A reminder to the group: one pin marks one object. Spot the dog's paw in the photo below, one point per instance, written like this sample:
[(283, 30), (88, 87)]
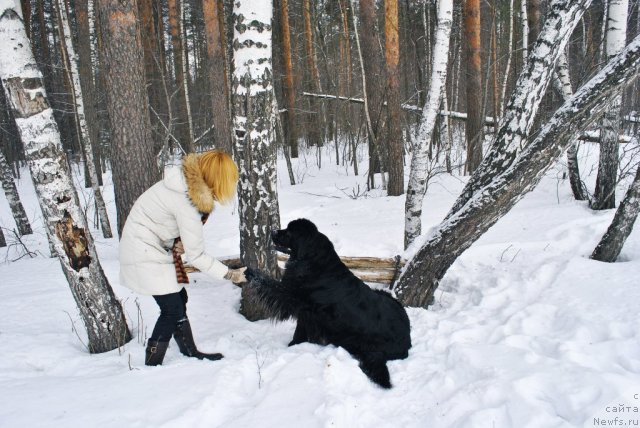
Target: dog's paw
[(253, 275)]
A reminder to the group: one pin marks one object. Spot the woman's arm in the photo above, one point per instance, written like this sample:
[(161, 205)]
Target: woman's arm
[(191, 234)]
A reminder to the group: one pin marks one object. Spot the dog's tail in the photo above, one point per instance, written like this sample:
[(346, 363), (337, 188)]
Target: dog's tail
[(374, 365)]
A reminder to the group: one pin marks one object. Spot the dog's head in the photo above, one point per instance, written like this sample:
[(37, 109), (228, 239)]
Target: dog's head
[(300, 239)]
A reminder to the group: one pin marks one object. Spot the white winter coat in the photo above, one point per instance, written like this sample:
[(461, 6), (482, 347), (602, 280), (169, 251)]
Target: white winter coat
[(168, 209)]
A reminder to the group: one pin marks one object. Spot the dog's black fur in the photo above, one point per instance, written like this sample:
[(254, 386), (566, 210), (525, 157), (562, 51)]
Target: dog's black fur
[(332, 305)]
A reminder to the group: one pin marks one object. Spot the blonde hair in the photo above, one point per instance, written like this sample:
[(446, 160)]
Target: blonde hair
[(220, 173)]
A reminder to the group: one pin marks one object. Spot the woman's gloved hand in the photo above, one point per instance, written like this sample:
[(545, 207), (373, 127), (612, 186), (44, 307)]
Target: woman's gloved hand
[(236, 275)]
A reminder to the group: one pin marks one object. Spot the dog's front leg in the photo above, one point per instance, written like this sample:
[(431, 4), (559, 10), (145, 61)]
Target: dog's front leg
[(300, 335), (281, 299)]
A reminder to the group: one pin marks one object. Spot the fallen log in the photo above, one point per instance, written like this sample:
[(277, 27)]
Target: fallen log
[(368, 269)]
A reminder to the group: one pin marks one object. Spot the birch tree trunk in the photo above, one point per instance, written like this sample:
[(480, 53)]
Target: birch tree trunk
[(395, 147), (218, 76), (525, 32), (82, 121), (64, 220), (611, 244), (417, 185), (561, 19), (11, 192), (509, 54), (443, 246), (85, 23), (132, 153), (474, 128), (562, 81), (605, 193), (254, 115)]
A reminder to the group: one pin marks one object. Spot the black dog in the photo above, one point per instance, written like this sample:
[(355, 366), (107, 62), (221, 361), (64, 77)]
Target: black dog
[(332, 305)]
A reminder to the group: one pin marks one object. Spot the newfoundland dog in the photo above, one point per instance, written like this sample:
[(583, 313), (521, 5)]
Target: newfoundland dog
[(331, 305)]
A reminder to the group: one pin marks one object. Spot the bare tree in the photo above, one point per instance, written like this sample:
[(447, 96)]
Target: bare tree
[(395, 166), (183, 129), (64, 220), (290, 134), (562, 82), (319, 116), (422, 142), (218, 75), (443, 246), (154, 59), (611, 244), (132, 153), (562, 18), (370, 55), (11, 192), (254, 115), (82, 121), (605, 194), (474, 128)]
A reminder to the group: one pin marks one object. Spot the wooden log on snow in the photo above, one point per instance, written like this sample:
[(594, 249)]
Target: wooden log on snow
[(368, 269)]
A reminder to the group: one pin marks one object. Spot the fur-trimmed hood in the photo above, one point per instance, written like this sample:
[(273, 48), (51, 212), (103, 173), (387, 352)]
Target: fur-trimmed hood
[(199, 193)]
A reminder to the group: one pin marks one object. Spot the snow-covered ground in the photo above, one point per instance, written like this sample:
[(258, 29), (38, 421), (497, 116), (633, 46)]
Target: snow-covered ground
[(526, 331)]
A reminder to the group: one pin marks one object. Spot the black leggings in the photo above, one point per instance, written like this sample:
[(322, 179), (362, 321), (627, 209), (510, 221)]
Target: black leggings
[(173, 309)]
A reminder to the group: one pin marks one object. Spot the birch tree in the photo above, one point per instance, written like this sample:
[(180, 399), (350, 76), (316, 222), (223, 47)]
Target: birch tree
[(443, 246), (562, 17), (417, 185), (605, 193), (66, 225), (254, 112), (562, 82), (609, 247), (13, 198), (82, 121)]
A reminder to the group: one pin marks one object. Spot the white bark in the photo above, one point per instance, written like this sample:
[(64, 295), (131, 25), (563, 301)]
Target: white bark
[(507, 69), (11, 192), (604, 195), (63, 218), (82, 121), (417, 185), (525, 32), (609, 247), (185, 73), (254, 132), (562, 82), (513, 135), (423, 271)]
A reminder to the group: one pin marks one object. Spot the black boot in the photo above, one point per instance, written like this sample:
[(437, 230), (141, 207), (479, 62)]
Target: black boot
[(155, 352), (184, 338)]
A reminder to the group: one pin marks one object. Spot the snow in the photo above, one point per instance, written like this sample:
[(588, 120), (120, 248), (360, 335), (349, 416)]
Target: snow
[(526, 330)]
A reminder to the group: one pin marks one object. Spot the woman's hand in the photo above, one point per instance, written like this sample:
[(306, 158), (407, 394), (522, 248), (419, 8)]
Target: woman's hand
[(236, 275)]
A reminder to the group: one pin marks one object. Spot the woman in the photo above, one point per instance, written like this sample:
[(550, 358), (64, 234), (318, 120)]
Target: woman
[(175, 207)]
